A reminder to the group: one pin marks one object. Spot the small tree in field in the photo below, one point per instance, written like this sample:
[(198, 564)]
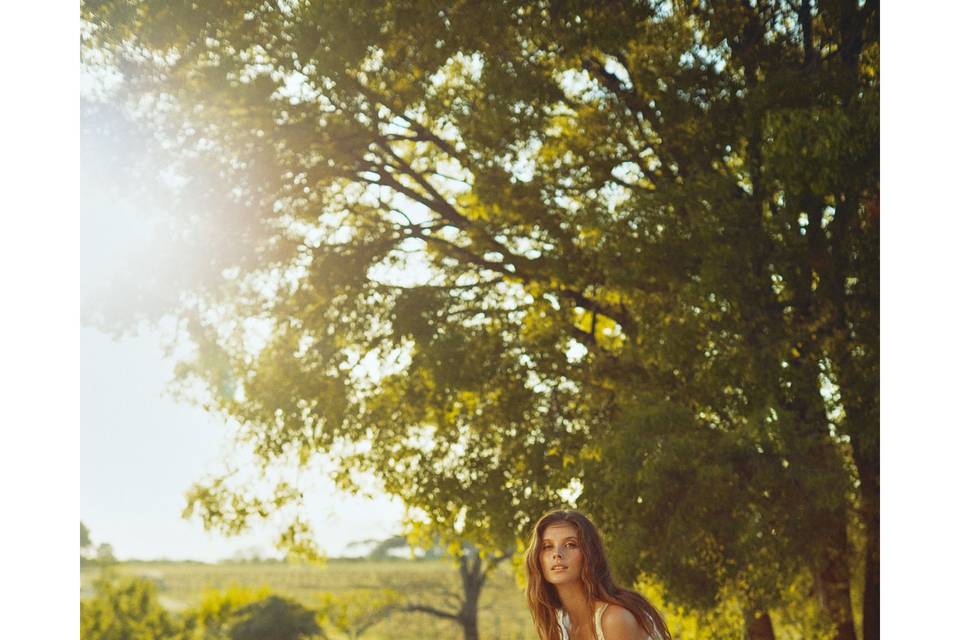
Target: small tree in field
[(474, 568), (105, 553), (351, 614)]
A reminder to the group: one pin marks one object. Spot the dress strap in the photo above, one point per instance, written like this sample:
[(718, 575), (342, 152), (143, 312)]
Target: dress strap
[(598, 629), (563, 621)]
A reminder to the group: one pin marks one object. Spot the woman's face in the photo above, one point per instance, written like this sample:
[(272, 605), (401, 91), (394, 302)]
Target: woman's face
[(560, 555)]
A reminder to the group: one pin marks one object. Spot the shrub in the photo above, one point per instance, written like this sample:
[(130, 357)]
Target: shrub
[(274, 618), (125, 609)]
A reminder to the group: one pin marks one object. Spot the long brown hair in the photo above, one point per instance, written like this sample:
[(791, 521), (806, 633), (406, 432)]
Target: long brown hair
[(543, 599)]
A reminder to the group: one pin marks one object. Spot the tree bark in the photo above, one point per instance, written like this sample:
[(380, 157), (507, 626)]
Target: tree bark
[(830, 514), (473, 576), (833, 585), (871, 586), (758, 625), (871, 583), (469, 622)]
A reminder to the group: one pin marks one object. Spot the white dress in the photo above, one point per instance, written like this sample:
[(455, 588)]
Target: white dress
[(563, 619)]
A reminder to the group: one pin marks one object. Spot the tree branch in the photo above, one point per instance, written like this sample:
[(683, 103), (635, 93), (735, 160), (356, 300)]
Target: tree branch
[(423, 608), (635, 102), (806, 24), (425, 134)]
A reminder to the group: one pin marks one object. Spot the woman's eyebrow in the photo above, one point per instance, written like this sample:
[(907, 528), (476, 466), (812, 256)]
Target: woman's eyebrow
[(574, 538)]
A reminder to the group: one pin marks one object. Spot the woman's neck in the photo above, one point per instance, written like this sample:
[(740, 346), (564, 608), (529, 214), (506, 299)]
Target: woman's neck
[(574, 601)]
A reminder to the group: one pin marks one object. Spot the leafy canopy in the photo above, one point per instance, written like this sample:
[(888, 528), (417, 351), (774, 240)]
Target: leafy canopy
[(506, 255)]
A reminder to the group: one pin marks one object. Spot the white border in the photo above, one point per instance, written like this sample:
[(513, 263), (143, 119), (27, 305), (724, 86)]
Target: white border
[(919, 354), (40, 320)]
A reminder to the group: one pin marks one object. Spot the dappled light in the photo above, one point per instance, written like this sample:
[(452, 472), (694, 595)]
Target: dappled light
[(495, 258)]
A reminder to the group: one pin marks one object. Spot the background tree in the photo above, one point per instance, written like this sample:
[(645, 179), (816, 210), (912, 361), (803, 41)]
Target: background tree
[(86, 543), (508, 254), (382, 549), (101, 553), (463, 606), (351, 614), (105, 553)]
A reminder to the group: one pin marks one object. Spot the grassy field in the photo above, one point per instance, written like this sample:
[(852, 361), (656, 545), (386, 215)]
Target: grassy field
[(363, 583), (503, 613)]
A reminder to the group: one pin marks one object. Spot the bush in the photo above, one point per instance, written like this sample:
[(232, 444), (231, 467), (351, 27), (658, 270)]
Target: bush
[(211, 619), (125, 609), (274, 618)]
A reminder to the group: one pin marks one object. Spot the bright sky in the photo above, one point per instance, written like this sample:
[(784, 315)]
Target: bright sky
[(140, 450)]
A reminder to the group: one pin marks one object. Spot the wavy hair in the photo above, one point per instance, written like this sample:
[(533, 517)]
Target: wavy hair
[(598, 585)]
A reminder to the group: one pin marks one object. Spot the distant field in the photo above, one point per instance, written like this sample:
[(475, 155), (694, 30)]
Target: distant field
[(503, 613)]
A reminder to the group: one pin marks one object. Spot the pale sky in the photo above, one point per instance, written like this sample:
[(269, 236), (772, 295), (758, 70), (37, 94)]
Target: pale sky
[(140, 450)]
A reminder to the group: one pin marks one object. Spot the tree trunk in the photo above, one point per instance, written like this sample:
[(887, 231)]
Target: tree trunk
[(860, 390), (871, 583), (865, 441), (833, 586), (758, 625), (830, 513), (871, 586), (473, 576), (469, 622)]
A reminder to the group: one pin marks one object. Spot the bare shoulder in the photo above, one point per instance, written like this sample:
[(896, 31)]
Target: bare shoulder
[(619, 624)]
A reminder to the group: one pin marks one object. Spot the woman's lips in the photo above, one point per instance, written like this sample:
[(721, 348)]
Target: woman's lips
[(559, 567)]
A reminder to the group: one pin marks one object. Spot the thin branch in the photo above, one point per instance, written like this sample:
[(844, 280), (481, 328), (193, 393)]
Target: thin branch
[(806, 24), (632, 100), (425, 134), (451, 178), (423, 608), (455, 250)]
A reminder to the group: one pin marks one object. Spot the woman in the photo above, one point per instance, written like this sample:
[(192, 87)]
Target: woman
[(570, 591)]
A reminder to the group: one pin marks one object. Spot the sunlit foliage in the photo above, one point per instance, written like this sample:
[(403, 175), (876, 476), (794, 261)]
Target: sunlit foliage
[(125, 609), (506, 255)]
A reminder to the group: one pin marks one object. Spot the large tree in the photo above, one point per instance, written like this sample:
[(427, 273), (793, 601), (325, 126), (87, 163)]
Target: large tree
[(504, 254)]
